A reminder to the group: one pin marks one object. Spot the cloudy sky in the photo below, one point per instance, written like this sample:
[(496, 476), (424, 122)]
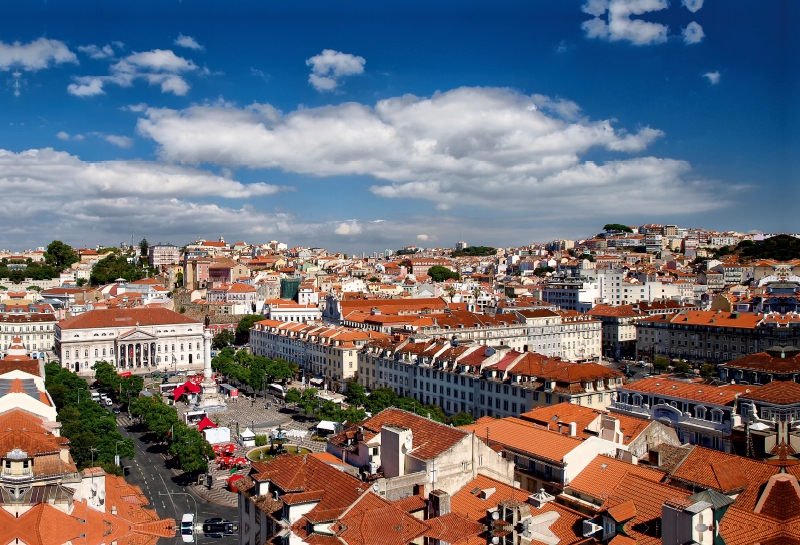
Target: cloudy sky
[(360, 126)]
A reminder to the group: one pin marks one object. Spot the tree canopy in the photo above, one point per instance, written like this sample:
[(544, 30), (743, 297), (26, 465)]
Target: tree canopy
[(84, 422), (115, 266), (222, 339), (617, 227), (186, 444), (475, 251), (60, 255), (440, 274), (243, 328)]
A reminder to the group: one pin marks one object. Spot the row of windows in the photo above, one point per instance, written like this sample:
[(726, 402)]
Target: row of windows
[(27, 328)]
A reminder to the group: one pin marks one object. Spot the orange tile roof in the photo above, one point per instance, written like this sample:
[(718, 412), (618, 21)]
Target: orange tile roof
[(708, 468), (647, 498), (603, 474), (525, 437), (777, 392), (431, 438), (550, 416), (704, 393), (126, 317), (471, 506)]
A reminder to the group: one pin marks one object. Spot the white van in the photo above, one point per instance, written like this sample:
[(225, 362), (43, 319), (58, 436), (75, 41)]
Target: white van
[(95, 396), (187, 528)]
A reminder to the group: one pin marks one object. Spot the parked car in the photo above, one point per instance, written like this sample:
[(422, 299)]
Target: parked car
[(218, 527), (109, 402), (116, 410), (187, 528)]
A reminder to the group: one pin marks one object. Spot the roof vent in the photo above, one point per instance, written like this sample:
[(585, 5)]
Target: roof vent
[(540, 498)]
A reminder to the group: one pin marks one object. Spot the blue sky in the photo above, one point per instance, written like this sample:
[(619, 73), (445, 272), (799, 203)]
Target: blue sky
[(360, 126)]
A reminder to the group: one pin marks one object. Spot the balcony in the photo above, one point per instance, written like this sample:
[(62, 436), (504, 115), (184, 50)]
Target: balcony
[(16, 474)]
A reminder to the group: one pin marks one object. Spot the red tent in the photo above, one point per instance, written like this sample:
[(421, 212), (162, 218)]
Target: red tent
[(186, 388), (205, 423)]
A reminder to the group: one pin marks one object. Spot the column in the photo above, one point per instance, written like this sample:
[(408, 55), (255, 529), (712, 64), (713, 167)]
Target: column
[(207, 355)]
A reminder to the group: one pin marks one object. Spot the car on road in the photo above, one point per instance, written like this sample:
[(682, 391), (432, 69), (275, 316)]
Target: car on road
[(218, 527), (109, 402), (116, 410), (187, 528)]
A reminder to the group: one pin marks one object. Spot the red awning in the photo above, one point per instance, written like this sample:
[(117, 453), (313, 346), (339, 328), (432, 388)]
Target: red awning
[(205, 423), (191, 387), (125, 374)]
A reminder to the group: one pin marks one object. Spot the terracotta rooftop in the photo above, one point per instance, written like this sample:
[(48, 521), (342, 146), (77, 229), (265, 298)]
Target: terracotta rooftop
[(772, 361), (704, 393), (603, 474), (523, 436), (430, 438), (777, 392), (726, 473), (468, 503), (126, 317)]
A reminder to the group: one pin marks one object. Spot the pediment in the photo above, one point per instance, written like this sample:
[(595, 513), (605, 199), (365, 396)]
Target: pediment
[(137, 335)]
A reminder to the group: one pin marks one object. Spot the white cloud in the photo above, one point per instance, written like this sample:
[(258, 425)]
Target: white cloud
[(104, 199), (620, 26), (135, 107), (120, 141), (713, 77), (36, 55), (350, 227), (188, 42), (86, 87), (422, 237), (63, 135), (96, 52), (158, 67), (330, 65), (693, 34), (692, 5), (462, 147)]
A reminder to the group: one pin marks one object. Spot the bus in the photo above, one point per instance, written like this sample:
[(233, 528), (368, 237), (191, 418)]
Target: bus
[(277, 390)]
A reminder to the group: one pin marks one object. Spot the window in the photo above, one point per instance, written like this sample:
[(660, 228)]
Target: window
[(548, 398)]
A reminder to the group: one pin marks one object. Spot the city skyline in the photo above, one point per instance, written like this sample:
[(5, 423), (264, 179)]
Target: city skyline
[(364, 127)]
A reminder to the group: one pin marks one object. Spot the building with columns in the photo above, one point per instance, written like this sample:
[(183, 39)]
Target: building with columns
[(137, 340)]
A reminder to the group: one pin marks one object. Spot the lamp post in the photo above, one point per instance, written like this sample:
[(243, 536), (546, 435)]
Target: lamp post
[(195, 506), (116, 452)]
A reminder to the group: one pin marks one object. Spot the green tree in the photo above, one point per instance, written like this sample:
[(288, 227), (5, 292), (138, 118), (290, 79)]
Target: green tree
[(144, 246), (707, 370), (379, 399), (461, 419), (309, 401), (222, 339), (243, 329), (80, 282), (60, 255), (293, 396), (682, 367), (440, 274), (179, 280), (541, 271), (355, 394), (661, 363), (617, 227)]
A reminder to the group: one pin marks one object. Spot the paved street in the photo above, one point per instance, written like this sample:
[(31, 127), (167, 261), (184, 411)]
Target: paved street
[(149, 471)]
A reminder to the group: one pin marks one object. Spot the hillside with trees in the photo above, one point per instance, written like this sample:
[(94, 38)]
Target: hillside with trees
[(475, 251)]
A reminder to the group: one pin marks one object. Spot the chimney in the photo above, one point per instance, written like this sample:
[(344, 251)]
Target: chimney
[(573, 429), (438, 503), (540, 498)]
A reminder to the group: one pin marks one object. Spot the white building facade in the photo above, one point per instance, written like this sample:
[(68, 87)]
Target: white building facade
[(136, 340)]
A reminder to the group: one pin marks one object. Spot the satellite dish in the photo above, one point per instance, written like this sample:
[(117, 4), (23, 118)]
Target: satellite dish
[(409, 441), (495, 540), (495, 515), (701, 528)]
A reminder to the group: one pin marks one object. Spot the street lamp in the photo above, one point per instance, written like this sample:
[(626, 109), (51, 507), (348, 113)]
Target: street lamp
[(195, 506), (116, 452)]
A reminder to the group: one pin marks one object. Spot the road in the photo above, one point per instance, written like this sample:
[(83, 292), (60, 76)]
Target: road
[(149, 472)]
